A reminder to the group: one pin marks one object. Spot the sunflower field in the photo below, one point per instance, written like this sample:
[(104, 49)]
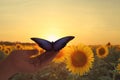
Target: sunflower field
[(73, 62)]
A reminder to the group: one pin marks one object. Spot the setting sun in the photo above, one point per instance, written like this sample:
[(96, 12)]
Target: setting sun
[(52, 38)]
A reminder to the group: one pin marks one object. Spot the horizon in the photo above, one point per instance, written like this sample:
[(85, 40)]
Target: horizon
[(54, 41)]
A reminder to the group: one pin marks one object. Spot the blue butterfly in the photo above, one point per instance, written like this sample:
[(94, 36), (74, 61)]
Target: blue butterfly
[(53, 46)]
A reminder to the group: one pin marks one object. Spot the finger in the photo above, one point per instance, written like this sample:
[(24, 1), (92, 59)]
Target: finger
[(24, 53), (30, 53), (35, 55)]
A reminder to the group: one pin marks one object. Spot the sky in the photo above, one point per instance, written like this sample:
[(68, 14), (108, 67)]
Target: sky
[(90, 21)]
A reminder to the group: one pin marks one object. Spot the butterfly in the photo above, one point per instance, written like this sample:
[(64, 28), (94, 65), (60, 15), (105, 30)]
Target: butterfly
[(53, 46)]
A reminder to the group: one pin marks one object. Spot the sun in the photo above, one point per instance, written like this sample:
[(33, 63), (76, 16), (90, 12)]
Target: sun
[(52, 38)]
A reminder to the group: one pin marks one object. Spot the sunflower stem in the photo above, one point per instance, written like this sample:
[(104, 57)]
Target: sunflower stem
[(113, 75), (108, 64)]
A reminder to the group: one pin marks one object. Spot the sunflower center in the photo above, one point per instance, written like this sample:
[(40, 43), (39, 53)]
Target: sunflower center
[(79, 59), (101, 51), (6, 51), (18, 47)]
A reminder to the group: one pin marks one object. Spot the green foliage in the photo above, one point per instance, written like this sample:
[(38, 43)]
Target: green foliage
[(105, 78)]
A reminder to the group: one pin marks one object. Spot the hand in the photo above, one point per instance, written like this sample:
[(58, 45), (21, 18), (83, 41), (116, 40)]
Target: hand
[(20, 61), (17, 61)]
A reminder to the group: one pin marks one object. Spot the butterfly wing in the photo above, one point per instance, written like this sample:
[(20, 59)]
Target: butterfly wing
[(43, 43), (59, 44)]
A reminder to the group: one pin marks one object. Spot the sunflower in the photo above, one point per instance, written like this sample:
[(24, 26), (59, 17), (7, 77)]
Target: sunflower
[(118, 68), (1, 47), (80, 59), (108, 44), (102, 51), (6, 51), (9, 48), (61, 55), (18, 47)]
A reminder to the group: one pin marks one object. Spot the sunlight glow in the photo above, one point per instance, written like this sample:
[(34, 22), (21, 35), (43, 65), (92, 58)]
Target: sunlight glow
[(52, 38)]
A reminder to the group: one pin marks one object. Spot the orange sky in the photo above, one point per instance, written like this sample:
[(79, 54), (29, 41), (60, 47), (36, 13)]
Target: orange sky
[(91, 22)]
